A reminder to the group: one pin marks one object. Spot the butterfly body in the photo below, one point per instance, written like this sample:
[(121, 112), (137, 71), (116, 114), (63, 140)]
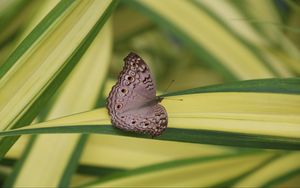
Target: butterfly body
[(132, 102)]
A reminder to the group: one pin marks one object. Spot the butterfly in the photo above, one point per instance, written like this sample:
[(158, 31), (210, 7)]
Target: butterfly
[(132, 102)]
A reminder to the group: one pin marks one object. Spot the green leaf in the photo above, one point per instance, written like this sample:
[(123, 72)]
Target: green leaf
[(273, 173), (245, 119), (275, 85), (49, 79), (92, 67), (36, 33), (172, 134), (206, 37), (186, 171)]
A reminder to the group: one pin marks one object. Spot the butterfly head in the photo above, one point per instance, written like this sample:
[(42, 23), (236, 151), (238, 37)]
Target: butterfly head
[(158, 99)]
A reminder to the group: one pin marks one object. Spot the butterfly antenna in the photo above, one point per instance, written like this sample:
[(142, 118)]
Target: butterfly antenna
[(174, 99), (170, 84)]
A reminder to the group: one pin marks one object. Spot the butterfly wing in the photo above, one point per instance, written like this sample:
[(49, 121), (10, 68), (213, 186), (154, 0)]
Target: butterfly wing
[(132, 102)]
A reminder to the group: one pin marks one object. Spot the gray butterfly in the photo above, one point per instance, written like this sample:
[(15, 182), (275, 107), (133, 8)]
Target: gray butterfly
[(132, 102)]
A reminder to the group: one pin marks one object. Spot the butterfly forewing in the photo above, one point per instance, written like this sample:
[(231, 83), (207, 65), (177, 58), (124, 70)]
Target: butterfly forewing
[(132, 102)]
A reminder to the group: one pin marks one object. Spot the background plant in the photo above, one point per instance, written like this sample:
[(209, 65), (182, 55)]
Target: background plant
[(59, 60)]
